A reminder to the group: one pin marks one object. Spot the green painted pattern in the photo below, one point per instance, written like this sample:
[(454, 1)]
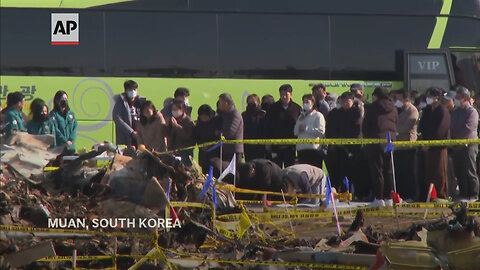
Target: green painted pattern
[(57, 3), (440, 26), (91, 98)]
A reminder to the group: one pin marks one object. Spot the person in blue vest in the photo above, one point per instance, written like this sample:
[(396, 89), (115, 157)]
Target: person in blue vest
[(41, 123), (65, 121), (13, 114)]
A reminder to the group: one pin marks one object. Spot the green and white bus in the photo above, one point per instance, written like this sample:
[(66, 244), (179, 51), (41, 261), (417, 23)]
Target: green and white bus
[(235, 46)]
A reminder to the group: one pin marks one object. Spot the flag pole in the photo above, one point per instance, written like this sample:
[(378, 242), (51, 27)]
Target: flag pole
[(394, 181), (221, 150)]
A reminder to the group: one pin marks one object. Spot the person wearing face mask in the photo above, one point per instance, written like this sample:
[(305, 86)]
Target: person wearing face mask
[(252, 127), (41, 123), (434, 125), (279, 123), (464, 125), (126, 113), (151, 128), (204, 131), (310, 125), (380, 119), (65, 121), (405, 158), (179, 131), (13, 113), (345, 160)]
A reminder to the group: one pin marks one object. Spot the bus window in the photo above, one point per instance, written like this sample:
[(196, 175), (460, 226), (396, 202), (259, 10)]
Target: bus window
[(466, 67)]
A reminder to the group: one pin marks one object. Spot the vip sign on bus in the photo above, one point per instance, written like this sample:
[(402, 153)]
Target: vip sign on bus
[(65, 29)]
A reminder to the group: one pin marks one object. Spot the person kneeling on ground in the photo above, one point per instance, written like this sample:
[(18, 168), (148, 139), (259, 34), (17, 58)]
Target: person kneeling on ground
[(305, 179)]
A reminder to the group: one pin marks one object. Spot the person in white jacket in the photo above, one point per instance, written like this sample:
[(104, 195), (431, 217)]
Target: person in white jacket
[(310, 125)]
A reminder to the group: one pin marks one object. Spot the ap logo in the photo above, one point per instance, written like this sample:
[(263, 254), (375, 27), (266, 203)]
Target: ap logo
[(65, 29)]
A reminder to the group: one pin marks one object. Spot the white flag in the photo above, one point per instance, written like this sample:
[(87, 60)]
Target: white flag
[(230, 169)]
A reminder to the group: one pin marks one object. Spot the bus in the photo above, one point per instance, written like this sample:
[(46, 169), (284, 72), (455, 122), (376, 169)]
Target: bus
[(236, 46)]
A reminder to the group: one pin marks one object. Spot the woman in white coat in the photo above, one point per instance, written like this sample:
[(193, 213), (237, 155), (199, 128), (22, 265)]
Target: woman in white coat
[(310, 125)]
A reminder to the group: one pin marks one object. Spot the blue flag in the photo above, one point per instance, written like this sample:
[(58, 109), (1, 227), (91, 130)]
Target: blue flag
[(214, 194), (214, 147), (208, 182), (168, 190), (389, 147), (328, 192), (345, 182)]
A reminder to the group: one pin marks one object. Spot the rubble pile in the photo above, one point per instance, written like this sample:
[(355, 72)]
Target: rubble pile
[(143, 184)]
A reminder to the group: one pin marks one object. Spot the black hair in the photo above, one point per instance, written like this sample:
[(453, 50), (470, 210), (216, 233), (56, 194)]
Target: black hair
[(36, 109), (380, 92), (286, 87), (319, 86), (312, 98), (434, 92), (14, 97), (129, 85), (181, 92), (205, 109), (348, 95), (57, 99), (147, 104)]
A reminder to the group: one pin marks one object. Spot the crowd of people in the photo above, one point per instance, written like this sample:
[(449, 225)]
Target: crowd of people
[(405, 115)]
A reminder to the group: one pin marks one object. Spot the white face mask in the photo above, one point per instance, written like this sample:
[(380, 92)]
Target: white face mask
[(429, 100), (307, 107), (422, 105), (177, 113), (398, 104), (457, 103), (131, 94), (338, 106), (186, 102)]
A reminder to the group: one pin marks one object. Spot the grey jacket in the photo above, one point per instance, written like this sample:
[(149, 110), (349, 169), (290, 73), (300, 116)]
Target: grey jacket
[(464, 123), (124, 124), (232, 129)]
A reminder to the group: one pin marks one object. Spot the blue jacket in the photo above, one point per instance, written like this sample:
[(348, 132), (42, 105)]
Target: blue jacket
[(65, 128)]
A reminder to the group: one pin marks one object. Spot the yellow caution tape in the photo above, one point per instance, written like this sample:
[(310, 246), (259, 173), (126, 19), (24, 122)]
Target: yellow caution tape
[(191, 204), (341, 196), (50, 230), (336, 141)]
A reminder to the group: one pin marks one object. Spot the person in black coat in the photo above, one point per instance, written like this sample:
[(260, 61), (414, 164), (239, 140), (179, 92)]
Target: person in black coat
[(252, 120), (435, 125), (280, 122), (204, 131), (259, 174), (345, 160), (380, 119)]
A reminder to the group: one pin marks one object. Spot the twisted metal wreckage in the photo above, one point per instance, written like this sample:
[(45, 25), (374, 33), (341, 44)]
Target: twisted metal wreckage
[(227, 234)]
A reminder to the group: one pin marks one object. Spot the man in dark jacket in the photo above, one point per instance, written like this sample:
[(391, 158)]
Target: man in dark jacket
[(252, 127), (380, 119), (344, 160), (464, 125), (126, 112), (280, 122), (259, 174), (232, 127), (435, 125)]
